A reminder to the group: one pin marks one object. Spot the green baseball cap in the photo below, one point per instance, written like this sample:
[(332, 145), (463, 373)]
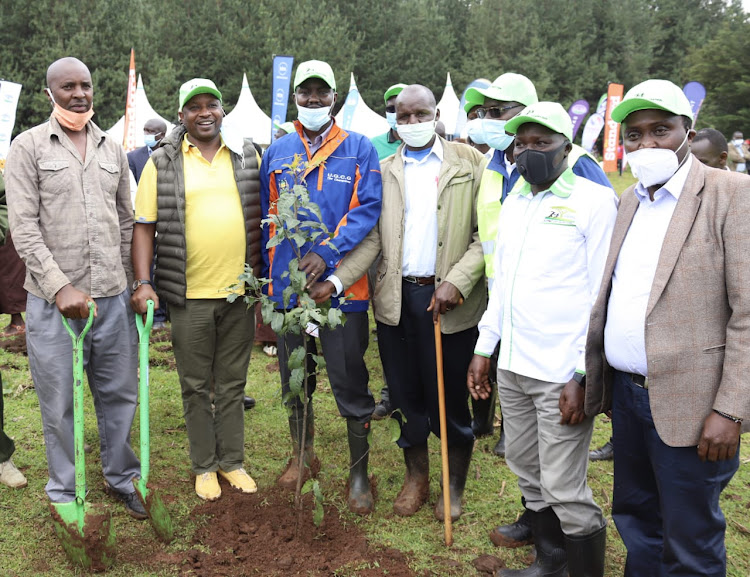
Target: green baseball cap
[(197, 86), (653, 94), (314, 69), (394, 90), (287, 127), (508, 87), (472, 97), (549, 114)]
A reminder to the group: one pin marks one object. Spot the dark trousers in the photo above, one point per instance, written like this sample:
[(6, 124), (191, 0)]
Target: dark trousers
[(666, 501), (343, 350), (6, 443), (407, 352)]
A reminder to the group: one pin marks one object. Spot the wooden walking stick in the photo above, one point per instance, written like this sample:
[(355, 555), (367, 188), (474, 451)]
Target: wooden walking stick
[(443, 435)]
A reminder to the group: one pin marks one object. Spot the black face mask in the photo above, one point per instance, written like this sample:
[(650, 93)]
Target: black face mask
[(538, 167)]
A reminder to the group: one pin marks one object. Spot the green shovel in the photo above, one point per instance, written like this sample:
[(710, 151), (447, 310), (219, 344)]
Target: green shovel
[(84, 530), (157, 511)]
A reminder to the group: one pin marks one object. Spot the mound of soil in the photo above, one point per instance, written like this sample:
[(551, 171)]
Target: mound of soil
[(263, 534)]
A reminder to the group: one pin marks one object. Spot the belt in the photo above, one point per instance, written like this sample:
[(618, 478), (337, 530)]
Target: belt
[(639, 380), (420, 280)]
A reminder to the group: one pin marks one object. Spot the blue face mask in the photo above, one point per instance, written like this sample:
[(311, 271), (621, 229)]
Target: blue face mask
[(391, 118), (494, 134), (313, 118), (475, 131), (150, 140)]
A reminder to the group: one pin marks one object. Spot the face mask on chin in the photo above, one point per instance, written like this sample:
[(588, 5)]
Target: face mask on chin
[(417, 135), (313, 118), (652, 166), (75, 121), (539, 167)]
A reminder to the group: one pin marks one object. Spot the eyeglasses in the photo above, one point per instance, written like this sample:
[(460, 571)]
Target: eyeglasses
[(390, 109), (496, 111)]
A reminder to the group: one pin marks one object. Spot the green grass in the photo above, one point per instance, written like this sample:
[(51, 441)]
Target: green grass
[(28, 546)]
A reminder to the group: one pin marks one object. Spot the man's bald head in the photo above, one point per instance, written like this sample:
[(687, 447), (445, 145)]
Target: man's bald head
[(64, 66), (417, 92), (155, 126)]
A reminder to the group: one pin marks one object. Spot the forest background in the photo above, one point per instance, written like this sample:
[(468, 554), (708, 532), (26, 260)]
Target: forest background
[(570, 50)]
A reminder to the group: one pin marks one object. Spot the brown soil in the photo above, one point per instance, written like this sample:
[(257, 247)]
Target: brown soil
[(15, 344), (95, 549), (257, 535)]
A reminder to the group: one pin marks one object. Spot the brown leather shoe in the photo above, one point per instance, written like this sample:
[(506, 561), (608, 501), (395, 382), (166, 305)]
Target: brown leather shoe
[(416, 489)]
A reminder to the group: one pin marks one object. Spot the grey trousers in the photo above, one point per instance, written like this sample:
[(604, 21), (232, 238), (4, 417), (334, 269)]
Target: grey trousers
[(212, 341), (549, 459), (110, 358)]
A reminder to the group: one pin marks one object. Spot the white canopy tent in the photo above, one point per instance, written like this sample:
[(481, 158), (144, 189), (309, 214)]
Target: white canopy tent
[(449, 107), (356, 116), (247, 118), (143, 113)]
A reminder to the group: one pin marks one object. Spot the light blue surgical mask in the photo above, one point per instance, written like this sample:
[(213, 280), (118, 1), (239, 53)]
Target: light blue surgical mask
[(391, 118), (475, 131), (494, 134), (150, 140), (313, 118)]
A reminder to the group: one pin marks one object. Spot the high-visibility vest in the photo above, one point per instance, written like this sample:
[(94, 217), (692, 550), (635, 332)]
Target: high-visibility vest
[(488, 210)]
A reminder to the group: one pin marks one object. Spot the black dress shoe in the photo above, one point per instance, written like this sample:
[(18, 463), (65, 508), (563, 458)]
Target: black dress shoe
[(249, 403), (382, 410), (132, 502), (604, 453)]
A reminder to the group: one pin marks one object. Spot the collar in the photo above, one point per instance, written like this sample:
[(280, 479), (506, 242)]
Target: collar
[(673, 186), (187, 145), (562, 187), (437, 150), (322, 136), (91, 128)]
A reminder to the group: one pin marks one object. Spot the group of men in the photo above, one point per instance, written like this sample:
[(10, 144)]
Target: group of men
[(637, 309)]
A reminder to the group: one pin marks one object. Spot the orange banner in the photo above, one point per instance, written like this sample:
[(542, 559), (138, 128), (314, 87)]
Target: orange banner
[(611, 128), (128, 134)]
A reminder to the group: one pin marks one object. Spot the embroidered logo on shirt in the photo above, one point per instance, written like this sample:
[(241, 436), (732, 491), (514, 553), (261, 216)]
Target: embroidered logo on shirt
[(561, 215), (339, 177)]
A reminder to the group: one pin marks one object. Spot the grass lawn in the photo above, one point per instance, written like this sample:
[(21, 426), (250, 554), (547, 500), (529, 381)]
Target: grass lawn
[(28, 546)]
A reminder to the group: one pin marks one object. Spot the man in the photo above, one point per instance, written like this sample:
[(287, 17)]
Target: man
[(71, 218), (342, 175), (9, 473), (387, 143), (668, 342), (739, 153), (200, 192), (710, 147), (153, 132), (553, 236), (432, 262)]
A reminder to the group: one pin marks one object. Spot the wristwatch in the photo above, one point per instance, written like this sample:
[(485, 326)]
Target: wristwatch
[(139, 282), (580, 379)]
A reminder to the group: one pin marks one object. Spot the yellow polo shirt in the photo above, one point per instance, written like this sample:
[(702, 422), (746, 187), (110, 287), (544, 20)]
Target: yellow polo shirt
[(214, 224)]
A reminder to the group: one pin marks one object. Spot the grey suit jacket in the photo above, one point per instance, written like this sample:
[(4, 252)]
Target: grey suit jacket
[(697, 326)]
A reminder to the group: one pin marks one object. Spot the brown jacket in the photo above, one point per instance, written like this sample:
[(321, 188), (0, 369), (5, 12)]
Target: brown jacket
[(698, 316)]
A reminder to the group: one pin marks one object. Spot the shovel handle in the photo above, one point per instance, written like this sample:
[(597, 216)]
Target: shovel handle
[(443, 434), (80, 458), (144, 332)]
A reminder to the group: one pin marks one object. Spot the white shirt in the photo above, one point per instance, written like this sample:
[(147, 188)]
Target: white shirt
[(625, 331), (550, 253), (420, 212)]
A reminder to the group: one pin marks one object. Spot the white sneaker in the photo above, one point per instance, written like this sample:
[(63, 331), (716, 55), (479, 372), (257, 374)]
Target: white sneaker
[(11, 476)]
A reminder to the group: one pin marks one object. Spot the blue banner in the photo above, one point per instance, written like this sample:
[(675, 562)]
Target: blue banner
[(352, 99), (696, 94), (282, 79)]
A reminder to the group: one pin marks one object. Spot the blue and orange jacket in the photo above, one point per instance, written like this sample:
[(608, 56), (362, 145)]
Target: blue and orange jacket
[(345, 183)]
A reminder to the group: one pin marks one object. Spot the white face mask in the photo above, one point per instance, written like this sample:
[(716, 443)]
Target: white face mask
[(653, 166), (391, 118), (416, 135), (313, 118), (737, 142), (475, 131)]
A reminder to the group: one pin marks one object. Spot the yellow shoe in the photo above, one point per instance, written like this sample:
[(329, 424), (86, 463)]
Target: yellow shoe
[(239, 479), (207, 486)]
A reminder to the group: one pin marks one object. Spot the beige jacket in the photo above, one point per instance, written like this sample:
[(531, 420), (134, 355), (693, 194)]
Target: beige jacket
[(460, 260), (698, 316)]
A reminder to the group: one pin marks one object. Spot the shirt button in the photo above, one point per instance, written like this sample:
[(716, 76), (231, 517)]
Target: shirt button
[(440, 244)]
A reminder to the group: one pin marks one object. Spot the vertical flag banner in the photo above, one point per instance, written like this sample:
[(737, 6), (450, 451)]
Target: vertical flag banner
[(9, 93), (611, 128), (577, 112), (601, 107), (282, 79), (591, 131), (696, 94), (128, 135), (352, 99)]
